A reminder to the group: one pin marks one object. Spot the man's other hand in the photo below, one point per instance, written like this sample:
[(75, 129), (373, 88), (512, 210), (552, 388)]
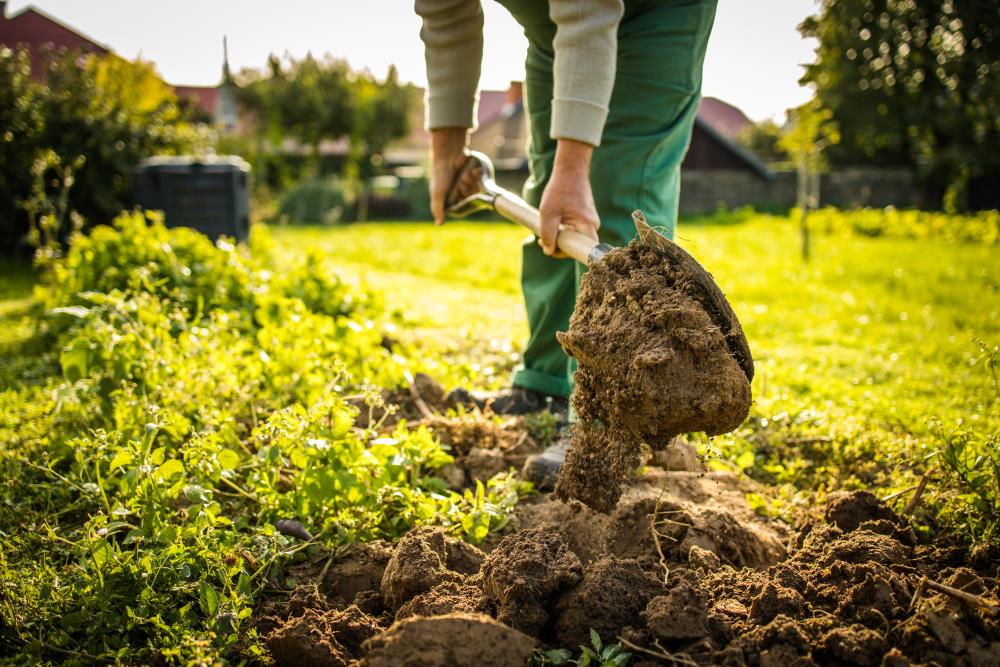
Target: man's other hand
[(568, 201), (447, 158)]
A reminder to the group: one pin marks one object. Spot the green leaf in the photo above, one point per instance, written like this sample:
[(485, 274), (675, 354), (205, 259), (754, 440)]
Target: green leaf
[(228, 459), (595, 639), (208, 599), (76, 360), (122, 458), (170, 470)]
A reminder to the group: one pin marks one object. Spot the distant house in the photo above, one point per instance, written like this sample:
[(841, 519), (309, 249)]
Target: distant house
[(502, 134), (40, 33)]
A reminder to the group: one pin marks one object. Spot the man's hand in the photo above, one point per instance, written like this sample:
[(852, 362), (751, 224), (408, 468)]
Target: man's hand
[(447, 158), (568, 201)]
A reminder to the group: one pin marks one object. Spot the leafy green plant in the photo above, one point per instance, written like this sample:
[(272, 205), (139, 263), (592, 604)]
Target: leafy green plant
[(318, 201), (982, 227), (972, 463), (193, 396), (597, 654)]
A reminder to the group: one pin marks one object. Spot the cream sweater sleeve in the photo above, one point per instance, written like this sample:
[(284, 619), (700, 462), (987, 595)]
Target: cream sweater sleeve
[(452, 33), (586, 52)]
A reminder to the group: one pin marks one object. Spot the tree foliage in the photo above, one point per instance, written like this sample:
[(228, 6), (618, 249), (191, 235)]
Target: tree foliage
[(107, 110), (322, 99), (912, 83)]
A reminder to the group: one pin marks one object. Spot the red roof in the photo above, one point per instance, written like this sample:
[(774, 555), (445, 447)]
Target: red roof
[(206, 97), (38, 31), (724, 118), (490, 104)]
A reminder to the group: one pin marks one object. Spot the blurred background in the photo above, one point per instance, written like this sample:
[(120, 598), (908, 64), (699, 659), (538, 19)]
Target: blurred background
[(858, 104)]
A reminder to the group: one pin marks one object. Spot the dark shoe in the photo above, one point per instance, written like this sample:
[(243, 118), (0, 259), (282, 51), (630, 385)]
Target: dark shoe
[(543, 469), (513, 401)]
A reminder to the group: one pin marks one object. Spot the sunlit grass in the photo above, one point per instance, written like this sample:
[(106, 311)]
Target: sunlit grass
[(856, 350)]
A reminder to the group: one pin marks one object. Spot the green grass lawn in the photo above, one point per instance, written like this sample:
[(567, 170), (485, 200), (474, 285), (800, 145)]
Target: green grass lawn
[(857, 351)]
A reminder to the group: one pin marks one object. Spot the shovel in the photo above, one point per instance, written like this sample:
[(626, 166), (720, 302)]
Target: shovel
[(491, 197)]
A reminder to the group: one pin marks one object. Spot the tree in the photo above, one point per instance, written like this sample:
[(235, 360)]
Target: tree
[(811, 131), (912, 83), (762, 139), (312, 100), (107, 110), (20, 125), (308, 100)]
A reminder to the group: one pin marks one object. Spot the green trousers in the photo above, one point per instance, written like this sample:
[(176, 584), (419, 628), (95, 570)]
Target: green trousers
[(661, 48)]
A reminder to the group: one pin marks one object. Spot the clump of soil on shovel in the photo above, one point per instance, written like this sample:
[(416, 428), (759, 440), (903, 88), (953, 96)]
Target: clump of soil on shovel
[(660, 353)]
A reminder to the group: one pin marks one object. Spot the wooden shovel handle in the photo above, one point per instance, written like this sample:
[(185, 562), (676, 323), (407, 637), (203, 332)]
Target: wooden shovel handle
[(573, 243)]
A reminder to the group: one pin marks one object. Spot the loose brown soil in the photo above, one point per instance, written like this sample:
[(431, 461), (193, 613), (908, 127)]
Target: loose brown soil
[(660, 353), (713, 585)]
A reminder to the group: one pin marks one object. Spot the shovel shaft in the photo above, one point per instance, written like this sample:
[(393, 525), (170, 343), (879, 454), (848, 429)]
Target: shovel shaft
[(491, 196), (573, 243)]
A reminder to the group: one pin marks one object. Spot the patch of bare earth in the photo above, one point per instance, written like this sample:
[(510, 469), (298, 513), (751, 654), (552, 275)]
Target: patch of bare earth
[(684, 575)]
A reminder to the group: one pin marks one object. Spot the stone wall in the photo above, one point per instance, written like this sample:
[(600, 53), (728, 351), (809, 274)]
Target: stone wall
[(706, 191)]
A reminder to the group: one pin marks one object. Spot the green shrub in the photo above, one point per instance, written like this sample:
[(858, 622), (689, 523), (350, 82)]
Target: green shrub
[(318, 201), (111, 111), (982, 227), (414, 192), (201, 396), (138, 254)]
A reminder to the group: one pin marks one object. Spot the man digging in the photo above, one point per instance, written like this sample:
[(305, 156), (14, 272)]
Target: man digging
[(612, 89)]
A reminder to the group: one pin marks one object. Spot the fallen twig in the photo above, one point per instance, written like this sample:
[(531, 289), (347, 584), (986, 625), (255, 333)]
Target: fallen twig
[(662, 653), (968, 598), (417, 399), (656, 535), (897, 494), (921, 587), (912, 505)]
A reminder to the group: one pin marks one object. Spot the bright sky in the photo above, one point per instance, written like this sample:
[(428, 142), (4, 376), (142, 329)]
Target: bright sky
[(754, 56)]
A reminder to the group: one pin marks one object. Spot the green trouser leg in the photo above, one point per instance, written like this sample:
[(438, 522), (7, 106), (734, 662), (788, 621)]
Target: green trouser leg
[(661, 49)]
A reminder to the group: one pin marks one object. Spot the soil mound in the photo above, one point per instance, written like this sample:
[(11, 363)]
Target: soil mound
[(424, 558), (705, 512), (523, 574), (447, 641), (322, 638), (660, 353), (842, 596), (611, 597)]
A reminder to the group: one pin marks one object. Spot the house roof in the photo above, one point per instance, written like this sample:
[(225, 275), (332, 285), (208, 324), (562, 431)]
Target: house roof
[(36, 27), (723, 117), (731, 145), (206, 97)]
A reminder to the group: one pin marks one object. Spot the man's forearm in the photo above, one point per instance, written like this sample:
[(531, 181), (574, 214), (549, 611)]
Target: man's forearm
[(573, 158), (452, 33), (586, 47)]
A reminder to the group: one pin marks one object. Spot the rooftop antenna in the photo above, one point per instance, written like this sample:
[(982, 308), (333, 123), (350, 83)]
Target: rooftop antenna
[(226, 76)]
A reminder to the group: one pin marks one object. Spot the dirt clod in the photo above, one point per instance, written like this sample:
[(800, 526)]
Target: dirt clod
[(656, 358), (680, 614), (610, 597), (424, 558), (524, 572), (447, 641), (356, 575), (322, 638), (448, 597)]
